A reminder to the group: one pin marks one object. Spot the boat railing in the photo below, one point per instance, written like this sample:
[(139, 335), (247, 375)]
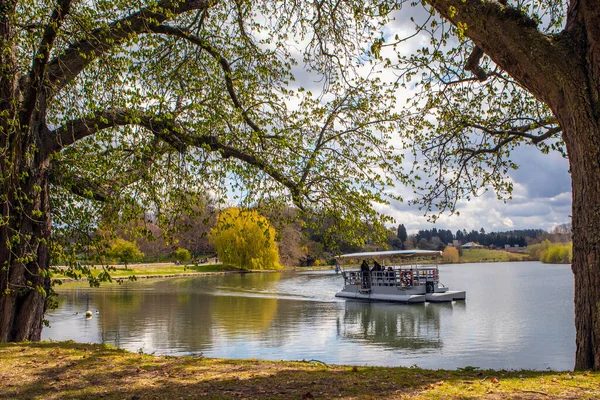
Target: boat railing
[(402, 277)]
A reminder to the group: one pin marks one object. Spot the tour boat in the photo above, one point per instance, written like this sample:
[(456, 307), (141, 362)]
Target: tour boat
[(402, 280)]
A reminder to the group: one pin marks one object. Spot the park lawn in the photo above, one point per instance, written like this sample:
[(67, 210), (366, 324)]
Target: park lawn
[(159, 270), (486, 255), (53, 370)]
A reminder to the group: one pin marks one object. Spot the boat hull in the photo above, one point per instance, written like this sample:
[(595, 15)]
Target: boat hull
[(399, 298), (439, 297), (458, 294), (393, 294)]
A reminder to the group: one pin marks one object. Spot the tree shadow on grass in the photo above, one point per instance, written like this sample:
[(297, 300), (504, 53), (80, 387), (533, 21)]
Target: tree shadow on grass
[(72, 370)]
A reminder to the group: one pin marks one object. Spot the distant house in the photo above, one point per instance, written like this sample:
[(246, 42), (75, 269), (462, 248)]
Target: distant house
[(515, 249), (472, 245)]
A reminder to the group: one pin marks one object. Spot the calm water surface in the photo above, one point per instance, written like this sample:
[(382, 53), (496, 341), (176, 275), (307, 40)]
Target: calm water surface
[(517, 315)]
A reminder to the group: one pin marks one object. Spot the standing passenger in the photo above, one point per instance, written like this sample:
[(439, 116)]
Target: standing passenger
[(366, 275)]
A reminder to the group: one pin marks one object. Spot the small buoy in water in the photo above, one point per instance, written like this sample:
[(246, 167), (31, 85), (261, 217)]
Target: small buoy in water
[(88, 314)]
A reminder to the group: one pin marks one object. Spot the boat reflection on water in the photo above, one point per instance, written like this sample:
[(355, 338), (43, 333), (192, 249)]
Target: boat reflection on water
[(414, 327)]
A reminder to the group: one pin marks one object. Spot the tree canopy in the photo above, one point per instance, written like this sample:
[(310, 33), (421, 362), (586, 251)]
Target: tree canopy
[(494, 75), (112, 109), (245, 239), (108, 109), (125, 251), (174, 97)]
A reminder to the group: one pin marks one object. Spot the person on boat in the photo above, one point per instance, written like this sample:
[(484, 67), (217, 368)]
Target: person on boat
[(376, 266), (366, 275), (390, 275), (364, 267)]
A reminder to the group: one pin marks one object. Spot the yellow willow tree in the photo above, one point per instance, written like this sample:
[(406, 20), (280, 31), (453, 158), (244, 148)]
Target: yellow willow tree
[(115, 110), (245, 239)]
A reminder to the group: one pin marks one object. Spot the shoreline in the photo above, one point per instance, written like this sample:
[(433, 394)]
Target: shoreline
[(53, 370), (140, 271), (184, 274), (187, 271)]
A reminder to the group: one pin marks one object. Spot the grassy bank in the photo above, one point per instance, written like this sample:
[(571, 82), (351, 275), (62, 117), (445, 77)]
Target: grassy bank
[(486, 255), (70, 370), (158, 270)]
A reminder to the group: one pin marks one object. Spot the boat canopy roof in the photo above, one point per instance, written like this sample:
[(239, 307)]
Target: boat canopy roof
[(393, 253)]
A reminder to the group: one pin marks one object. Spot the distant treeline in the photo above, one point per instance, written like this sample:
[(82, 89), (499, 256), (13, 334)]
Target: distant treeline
[(301, 242), (428, 238), (498, 239)]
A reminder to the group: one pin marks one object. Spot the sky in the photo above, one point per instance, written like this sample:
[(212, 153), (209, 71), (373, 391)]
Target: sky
[(542, 188), (541, 200)]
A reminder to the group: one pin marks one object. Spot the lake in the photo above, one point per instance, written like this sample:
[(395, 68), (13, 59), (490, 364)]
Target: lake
[(517, 315)]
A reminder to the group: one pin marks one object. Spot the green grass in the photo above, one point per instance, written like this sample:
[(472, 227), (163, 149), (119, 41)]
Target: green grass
[(486, 255), (51, 370), (159, 270)]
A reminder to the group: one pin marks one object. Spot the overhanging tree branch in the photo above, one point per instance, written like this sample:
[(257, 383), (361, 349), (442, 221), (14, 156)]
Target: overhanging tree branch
[(168, 131), (105, 191), (511, 39), (65, 67), (40, 60), (521, 131), (79, 186), (223, 62)]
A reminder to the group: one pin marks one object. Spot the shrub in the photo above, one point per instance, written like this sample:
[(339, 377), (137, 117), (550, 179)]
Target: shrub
[(182, 254), (536, 251), (450, 255), (557, 254), (125, 251)]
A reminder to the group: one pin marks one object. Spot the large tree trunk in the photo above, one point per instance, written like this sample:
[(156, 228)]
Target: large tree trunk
[(24, 250), (564, 72), (586, 251), (579, 115), (582, 135), (24, 216)]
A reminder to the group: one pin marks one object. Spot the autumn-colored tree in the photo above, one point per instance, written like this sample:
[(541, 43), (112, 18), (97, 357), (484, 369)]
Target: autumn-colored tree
[(450, 255), (245, 239)]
